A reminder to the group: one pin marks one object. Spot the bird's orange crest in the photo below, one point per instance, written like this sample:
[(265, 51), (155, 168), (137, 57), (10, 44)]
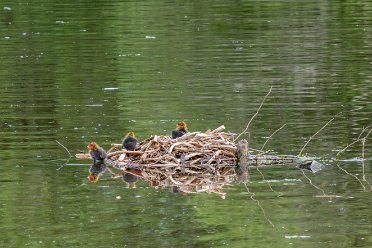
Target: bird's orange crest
[(130, 134), (92, 146), (181, 124)]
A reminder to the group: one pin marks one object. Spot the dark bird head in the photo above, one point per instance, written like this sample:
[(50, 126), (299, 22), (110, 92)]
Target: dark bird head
[(92, 146), (181, 125)]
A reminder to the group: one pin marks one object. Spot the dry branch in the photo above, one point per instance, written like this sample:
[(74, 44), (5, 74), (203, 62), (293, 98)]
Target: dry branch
[(258, 110)]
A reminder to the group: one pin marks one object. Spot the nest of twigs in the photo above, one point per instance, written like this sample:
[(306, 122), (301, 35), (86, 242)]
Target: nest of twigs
[(195, 162)]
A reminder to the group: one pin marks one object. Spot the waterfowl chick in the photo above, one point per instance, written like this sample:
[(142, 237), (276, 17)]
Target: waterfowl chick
[(96, 152), (180, 130), (130, 141)]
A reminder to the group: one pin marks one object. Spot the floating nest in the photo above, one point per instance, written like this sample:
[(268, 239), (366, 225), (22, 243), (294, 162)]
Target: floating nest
[(195, 162)]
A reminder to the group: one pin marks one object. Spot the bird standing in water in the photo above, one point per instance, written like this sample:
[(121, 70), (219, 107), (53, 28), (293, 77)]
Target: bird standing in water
[(180, 130), (129, 142), (98, 167)]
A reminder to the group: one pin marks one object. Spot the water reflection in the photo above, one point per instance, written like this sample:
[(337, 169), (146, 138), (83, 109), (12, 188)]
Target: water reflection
[(81, 71)]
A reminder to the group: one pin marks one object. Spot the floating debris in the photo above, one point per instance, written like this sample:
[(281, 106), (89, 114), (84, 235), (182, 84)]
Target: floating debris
[(110, 88), (297, 237)]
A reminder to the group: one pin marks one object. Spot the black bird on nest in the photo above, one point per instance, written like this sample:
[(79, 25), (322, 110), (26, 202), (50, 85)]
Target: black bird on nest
[(180, 130), (129, 143)]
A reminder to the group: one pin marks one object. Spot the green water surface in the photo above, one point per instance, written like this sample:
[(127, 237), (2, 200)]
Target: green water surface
[(81, 71)]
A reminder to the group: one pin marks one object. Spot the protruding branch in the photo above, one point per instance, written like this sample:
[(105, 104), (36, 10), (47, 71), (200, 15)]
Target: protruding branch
[(258, 110)]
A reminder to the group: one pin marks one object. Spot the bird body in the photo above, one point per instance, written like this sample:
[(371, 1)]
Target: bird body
[(180, 130), (129, 142), (96, 152)]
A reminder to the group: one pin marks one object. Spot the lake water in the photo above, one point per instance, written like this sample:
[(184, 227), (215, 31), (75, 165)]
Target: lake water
[(78, 71)]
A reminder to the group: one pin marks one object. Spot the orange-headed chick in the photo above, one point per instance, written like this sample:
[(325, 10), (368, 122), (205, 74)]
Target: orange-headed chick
[(96, 152), (180, 130)]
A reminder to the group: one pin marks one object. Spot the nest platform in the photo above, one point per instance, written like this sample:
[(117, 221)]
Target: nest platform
[(195, 162)]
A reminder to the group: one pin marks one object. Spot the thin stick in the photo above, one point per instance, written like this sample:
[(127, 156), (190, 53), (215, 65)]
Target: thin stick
[(83, 156), (363, 169), (77, 164), (111, 154), (111, 148), (68, 159), (112, 173), (317, 133), (59, 143), (363, 140), (344, 149), (355, 141), (364, 129), (218, 129), (267, 140), (245, 130), (258, 203)]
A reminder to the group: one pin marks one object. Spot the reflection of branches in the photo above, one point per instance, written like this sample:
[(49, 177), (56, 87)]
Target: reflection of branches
[(363, 165), (363, 140), (258, 204), (268, 183), (311, 183), (59, 143), (246, 128), (338, 165)]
